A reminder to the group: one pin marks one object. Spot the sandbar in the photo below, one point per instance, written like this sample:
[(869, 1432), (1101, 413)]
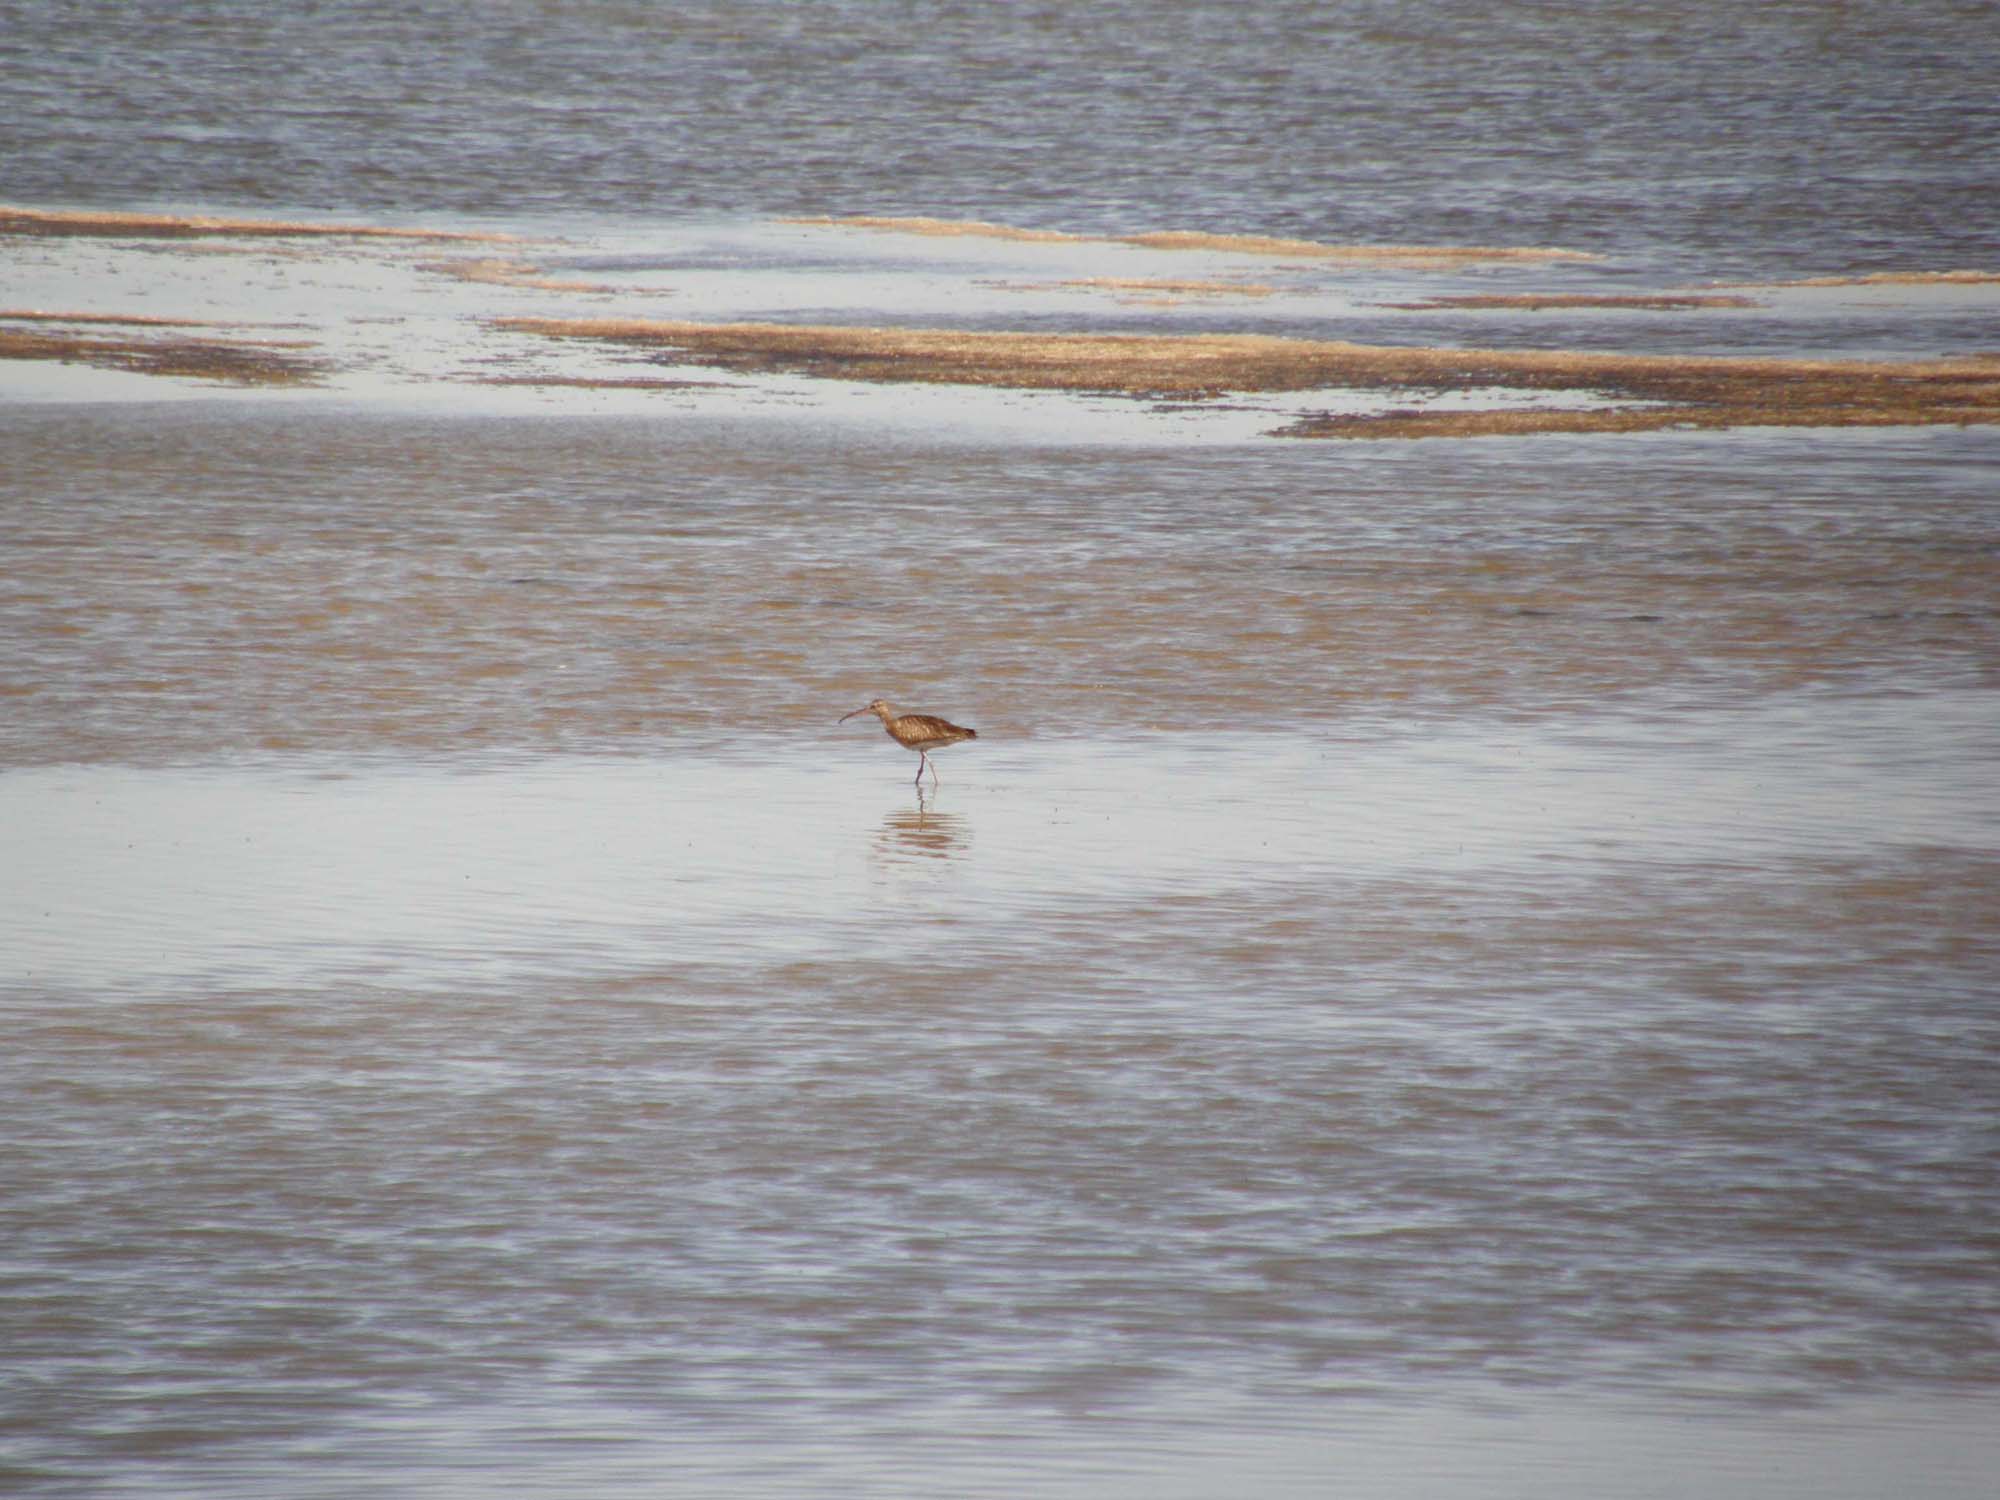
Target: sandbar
[(1662, 390), (256, 362), (1406, 256), (16, 220)]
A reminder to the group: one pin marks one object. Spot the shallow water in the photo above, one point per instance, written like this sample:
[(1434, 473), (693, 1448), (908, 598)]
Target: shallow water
[(1750, 140), (1451, 969), (1420, 957)]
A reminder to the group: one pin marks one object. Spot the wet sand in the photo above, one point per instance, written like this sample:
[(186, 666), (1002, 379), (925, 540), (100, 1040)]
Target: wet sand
[(1371, 389), (1540, 301), (229, 362), (60, 223), (1701, 392), (1419, 256), (1896, 278), (375, 318), (518, 273)]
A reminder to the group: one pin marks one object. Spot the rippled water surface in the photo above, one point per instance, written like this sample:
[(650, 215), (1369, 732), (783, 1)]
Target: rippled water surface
[(1451, 968), (1425, 942), (1748, 137)]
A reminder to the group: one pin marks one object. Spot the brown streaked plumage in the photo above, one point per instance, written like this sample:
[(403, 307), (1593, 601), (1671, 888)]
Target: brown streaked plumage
[(922, 733)]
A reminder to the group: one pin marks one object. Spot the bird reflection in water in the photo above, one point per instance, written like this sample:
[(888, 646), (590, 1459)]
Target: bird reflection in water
[(923, 833)]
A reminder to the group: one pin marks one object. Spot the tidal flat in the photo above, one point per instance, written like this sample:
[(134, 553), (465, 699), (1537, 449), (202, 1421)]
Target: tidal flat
[(1458, 965), (1244, 334)]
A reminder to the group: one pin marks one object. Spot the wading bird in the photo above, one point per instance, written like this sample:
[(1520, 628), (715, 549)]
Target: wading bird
[(919, 732)]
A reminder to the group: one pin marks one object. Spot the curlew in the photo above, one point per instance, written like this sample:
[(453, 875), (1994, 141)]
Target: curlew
[(922, 733)]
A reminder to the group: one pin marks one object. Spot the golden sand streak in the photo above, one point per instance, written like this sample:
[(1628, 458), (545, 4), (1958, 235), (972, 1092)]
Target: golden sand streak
[(1517, 423), (600, 383), (510, 273), (1704, 390), (1890, 278), (45, 222), (975, 227), (260, 363), (134, 320), (1141, 291), (1406, 256), (1535, 302), (1171, 288), (1398, 255)]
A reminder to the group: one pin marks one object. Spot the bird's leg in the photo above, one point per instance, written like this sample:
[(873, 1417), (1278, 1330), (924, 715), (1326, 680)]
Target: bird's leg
[(921, 760)]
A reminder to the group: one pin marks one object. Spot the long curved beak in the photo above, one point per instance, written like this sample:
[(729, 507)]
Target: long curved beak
[(845, 717)]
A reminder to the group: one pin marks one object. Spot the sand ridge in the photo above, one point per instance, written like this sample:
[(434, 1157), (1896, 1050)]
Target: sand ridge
[(233, 362), (1407, 256), (1572, 301), (1667, 390), (16, 220)]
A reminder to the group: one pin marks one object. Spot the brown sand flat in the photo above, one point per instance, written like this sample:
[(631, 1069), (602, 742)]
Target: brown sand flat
[(132, 320), (1501, 422), (947, 227), (601, 382), (1169, 287), (237, 363), (57, 222), (1142, 291), (1889, 278), (495, 272), (1701, 390), (1394, 255), (1185, 239), (1537, 301)]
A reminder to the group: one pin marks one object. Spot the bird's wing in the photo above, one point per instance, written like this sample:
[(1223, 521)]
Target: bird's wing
[(928, 726)]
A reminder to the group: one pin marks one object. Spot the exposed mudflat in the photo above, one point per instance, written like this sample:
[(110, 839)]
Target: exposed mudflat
[(1213, 336), (1677, 390)]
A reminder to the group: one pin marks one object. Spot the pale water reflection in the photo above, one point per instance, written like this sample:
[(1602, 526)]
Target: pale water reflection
[(283, 869), (924, 832), (1111, 1113)]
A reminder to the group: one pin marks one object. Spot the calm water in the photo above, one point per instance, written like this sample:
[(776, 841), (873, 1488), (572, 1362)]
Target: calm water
[(1451, 970)]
